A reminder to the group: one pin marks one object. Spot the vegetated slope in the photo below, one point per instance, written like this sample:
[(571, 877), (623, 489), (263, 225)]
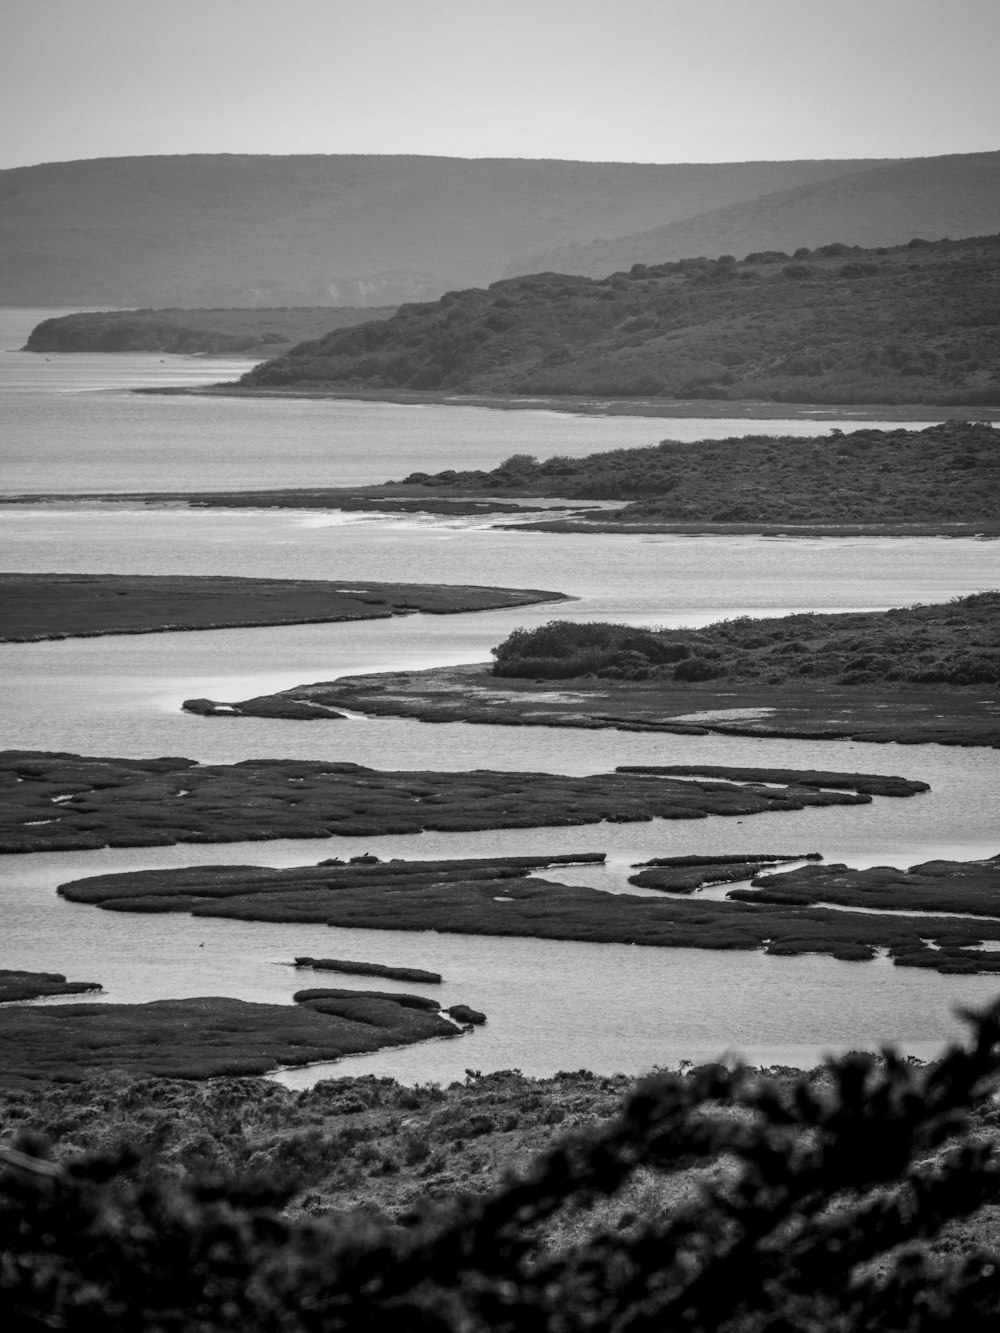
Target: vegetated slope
[(944, 473), (918, 323), (261, 332), (957, 195), (957, 643), (221, 229), (860, 1196)]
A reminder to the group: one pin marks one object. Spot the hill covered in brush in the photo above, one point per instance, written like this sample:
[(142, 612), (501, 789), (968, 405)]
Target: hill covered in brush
[(886, 204), (944, 473), (949, 644), (915, 323), (225, 229), (232, 332)]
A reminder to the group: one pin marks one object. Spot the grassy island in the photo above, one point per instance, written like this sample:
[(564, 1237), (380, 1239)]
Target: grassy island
[(944, 477), (20, 985), (209, 1036), (57, 606), (944, 915), (913, 675), (67, 802)]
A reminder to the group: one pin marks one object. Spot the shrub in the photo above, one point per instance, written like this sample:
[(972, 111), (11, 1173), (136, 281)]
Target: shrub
[(819, 1223)]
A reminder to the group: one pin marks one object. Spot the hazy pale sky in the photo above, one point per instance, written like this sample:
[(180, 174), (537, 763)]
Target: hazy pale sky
[(625, 80)]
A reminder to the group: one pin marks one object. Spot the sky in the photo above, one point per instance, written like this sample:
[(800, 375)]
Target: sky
[(597, 80)]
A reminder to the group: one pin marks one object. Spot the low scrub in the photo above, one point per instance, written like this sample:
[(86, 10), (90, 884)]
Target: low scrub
[(953, 644), (812, 1204)]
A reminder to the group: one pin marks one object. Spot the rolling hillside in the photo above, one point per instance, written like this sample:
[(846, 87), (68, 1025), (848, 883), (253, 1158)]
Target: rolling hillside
[(257, 332), (885, 204), (229, 230), (918, 323)]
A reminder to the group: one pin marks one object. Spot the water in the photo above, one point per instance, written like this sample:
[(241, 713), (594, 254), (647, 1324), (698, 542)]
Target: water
[(70, 424), (551, 1005)]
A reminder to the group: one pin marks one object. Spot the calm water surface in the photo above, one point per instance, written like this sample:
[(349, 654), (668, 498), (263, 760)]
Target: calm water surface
[(69, 425)]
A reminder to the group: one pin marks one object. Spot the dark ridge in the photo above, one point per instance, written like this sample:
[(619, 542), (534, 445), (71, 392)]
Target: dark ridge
[(914, 323)]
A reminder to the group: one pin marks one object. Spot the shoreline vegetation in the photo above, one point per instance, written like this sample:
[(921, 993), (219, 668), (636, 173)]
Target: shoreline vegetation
[(56, 606), (67, 802), (943, 916), (222, 332), (20, 985), (944, 474), (597, 404), (210, 1036), (941, 480), (858, 1191), (817, 326), (917, 675)]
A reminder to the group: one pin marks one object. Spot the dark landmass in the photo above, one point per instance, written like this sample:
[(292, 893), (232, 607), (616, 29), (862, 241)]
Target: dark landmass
[(374, 230), (862, 1190), (916, 323), (482, 899), (461, 1013), (209, 1036), (56, 606), (687, 874), (63, 802), (389, 498), (886, 205), (227, 332), (16, 985), (370, 970), (954, 643), (942, 480), (294, 894), (353, 1143), (971, 887), (898, 480), (913, 675)]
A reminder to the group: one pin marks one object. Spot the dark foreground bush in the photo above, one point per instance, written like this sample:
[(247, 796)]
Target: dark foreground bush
[(816, 1217)]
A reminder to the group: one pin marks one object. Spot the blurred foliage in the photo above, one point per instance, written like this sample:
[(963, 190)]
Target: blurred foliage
[(823, 1205)]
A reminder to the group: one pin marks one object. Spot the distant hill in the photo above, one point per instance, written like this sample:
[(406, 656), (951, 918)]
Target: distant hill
[(885, 204), (230, 230), (257, 332), (918, 323)]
